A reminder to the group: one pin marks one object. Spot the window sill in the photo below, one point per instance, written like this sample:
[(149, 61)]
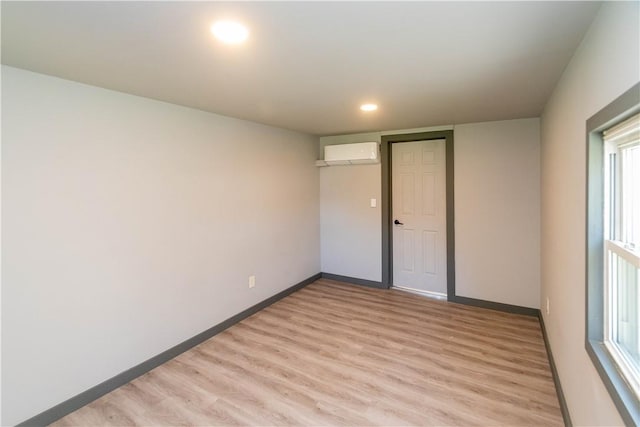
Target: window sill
[(620, 391)]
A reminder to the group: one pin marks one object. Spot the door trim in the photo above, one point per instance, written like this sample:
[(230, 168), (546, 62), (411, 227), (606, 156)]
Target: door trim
[(386, 205)]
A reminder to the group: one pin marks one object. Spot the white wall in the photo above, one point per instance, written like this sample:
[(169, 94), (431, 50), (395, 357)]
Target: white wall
[(606, 64), (497, 211), (131, 225), (350, 228)]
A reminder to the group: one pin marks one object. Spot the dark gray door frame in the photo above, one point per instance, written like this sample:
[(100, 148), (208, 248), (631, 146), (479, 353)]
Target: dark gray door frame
[(387, 238)]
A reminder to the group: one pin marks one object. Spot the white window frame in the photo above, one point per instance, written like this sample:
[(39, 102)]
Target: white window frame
[(618, 245), (622, 358)]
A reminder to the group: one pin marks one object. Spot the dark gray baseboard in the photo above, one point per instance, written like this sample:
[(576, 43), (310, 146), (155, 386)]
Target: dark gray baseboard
[(564, 409), (353, 280), (507, 308), (53, 414)]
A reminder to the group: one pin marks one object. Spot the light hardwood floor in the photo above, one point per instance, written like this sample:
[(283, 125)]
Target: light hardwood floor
[(338, 354)]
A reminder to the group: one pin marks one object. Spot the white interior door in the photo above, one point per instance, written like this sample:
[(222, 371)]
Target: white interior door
[(419, 216)]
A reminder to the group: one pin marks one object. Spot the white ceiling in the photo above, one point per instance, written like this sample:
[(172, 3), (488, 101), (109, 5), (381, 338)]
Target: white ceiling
[(308, 66)]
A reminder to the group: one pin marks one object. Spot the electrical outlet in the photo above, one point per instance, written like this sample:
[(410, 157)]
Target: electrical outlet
[(547, 306), (252, 281)]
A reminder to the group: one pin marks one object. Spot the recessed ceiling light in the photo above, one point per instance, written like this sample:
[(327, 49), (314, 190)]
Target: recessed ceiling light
[(368, 107), (230, 32)]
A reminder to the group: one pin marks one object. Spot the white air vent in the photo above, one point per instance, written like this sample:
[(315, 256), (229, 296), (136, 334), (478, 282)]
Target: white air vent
[(351, 154)]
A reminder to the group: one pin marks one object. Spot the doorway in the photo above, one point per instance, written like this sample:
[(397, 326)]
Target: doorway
[(417, 192)]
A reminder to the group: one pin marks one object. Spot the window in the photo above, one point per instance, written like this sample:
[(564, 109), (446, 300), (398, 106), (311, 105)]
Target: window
[(622, 247), (613, 250)]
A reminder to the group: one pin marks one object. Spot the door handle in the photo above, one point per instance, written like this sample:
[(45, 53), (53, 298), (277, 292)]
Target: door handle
[(396, 222)]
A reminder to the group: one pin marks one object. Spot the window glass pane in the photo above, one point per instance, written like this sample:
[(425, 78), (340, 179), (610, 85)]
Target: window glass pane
[(626, 316), (631, 196), (612, 200)]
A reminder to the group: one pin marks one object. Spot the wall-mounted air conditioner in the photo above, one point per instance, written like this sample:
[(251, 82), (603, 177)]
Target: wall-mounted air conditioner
[(350, 154)]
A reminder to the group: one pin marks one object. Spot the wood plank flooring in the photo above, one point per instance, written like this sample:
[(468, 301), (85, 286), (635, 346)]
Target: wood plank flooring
[(338, 354)]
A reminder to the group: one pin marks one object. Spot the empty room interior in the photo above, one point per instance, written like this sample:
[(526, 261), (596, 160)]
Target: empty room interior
[(320, 213)]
